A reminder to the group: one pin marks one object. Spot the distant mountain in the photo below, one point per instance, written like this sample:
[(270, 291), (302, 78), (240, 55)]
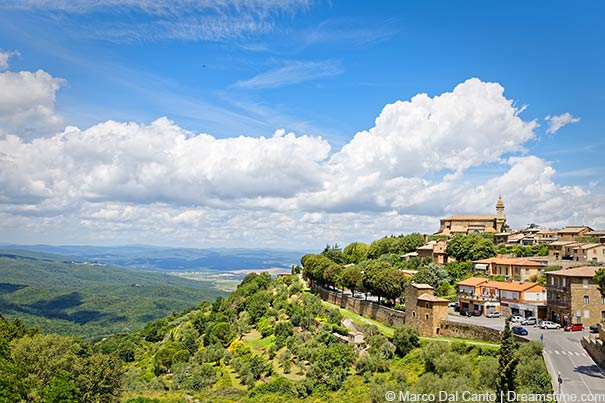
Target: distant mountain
[(173, 259)]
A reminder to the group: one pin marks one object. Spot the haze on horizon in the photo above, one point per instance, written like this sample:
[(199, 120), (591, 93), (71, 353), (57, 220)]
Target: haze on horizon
[(294, 123)]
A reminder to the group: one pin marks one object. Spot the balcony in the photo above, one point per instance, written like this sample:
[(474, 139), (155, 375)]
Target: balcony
[(475, 297)]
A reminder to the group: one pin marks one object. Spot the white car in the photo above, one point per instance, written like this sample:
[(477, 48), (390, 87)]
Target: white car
[(494, 314), (549, 325), (516, 318)]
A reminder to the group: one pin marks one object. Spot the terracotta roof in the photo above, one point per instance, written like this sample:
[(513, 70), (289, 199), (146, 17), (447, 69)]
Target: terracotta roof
[(428, 246), (589, 245), (469, 217), (585, 271), (422, 286), (515, 285), (511, 261), (473, 281), (573, 229), (432, 298), (596, 233), (561, 243)]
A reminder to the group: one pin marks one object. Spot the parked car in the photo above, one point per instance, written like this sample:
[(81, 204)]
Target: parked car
[(516, 318), (465, 313), (550, 325), (532, 320), (519, 330), (494, 314), (476, 312), (452, 304), (576, 327), (594, 328)]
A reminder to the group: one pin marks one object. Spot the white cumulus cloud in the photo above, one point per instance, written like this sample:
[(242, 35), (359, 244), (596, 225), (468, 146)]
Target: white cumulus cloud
[(27, 102), (119, 182), (556, 122)]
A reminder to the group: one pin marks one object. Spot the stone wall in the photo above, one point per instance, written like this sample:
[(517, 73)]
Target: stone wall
[(595, 348), (469, 331), (370, 309)]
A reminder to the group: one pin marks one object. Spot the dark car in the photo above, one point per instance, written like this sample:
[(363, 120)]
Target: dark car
[(576, 327), (594, 328), (519, 330), (466, 313)]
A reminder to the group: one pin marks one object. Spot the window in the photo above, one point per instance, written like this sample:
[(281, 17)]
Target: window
[(585, 283), (414, 314), (526, 271), (602, 300), (602, 314), (586, 300), (426, 316), (586, 315)]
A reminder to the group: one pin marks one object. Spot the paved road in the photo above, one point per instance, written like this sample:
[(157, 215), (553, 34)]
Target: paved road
[(582, 379)]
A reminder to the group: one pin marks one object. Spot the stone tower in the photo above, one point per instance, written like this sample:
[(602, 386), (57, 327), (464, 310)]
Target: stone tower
[(500, 215)]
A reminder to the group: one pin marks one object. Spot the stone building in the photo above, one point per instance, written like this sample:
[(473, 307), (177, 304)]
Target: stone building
[(577, 252), (574, 297), (435, 250), (424, 310), (468, 224), (573, 233)]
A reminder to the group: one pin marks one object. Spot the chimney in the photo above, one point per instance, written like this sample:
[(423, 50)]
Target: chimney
[(425, 238)]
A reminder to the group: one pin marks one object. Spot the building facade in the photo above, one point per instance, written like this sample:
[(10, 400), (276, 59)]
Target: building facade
[(573, 233), (574, 297), (468, 224), (424, 310), (517, 269), (508, 297)]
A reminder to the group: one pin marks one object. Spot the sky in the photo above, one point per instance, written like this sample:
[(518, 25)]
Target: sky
[(295, 123)]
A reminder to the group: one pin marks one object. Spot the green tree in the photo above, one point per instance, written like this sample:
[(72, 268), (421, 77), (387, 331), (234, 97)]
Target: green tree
[(599, 278), (61, 389), (356, 252), (405, 339), (101, 380), (507, 362), (335, 254), (482, 248), (352, 278)]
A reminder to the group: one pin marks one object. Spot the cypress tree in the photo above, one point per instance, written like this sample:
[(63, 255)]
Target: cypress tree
[(507, 369)]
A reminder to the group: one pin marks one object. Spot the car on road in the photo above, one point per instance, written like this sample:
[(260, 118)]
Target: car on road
[(576, 327), (549, 325), (594, 328), (452, 304), (516, 318), (494, 314), (532, 320), (476, 312), (519, 330), (466, 313)]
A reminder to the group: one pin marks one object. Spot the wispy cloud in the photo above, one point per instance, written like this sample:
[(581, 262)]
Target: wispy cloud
[(5, 57), (350, 31), (192, 20), (292, 73), (556, 122)]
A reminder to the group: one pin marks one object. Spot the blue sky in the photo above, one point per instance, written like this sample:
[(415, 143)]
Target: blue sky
[(322, 69)]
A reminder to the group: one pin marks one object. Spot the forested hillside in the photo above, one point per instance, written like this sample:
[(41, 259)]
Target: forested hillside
[(269, 341), (91, 301)]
